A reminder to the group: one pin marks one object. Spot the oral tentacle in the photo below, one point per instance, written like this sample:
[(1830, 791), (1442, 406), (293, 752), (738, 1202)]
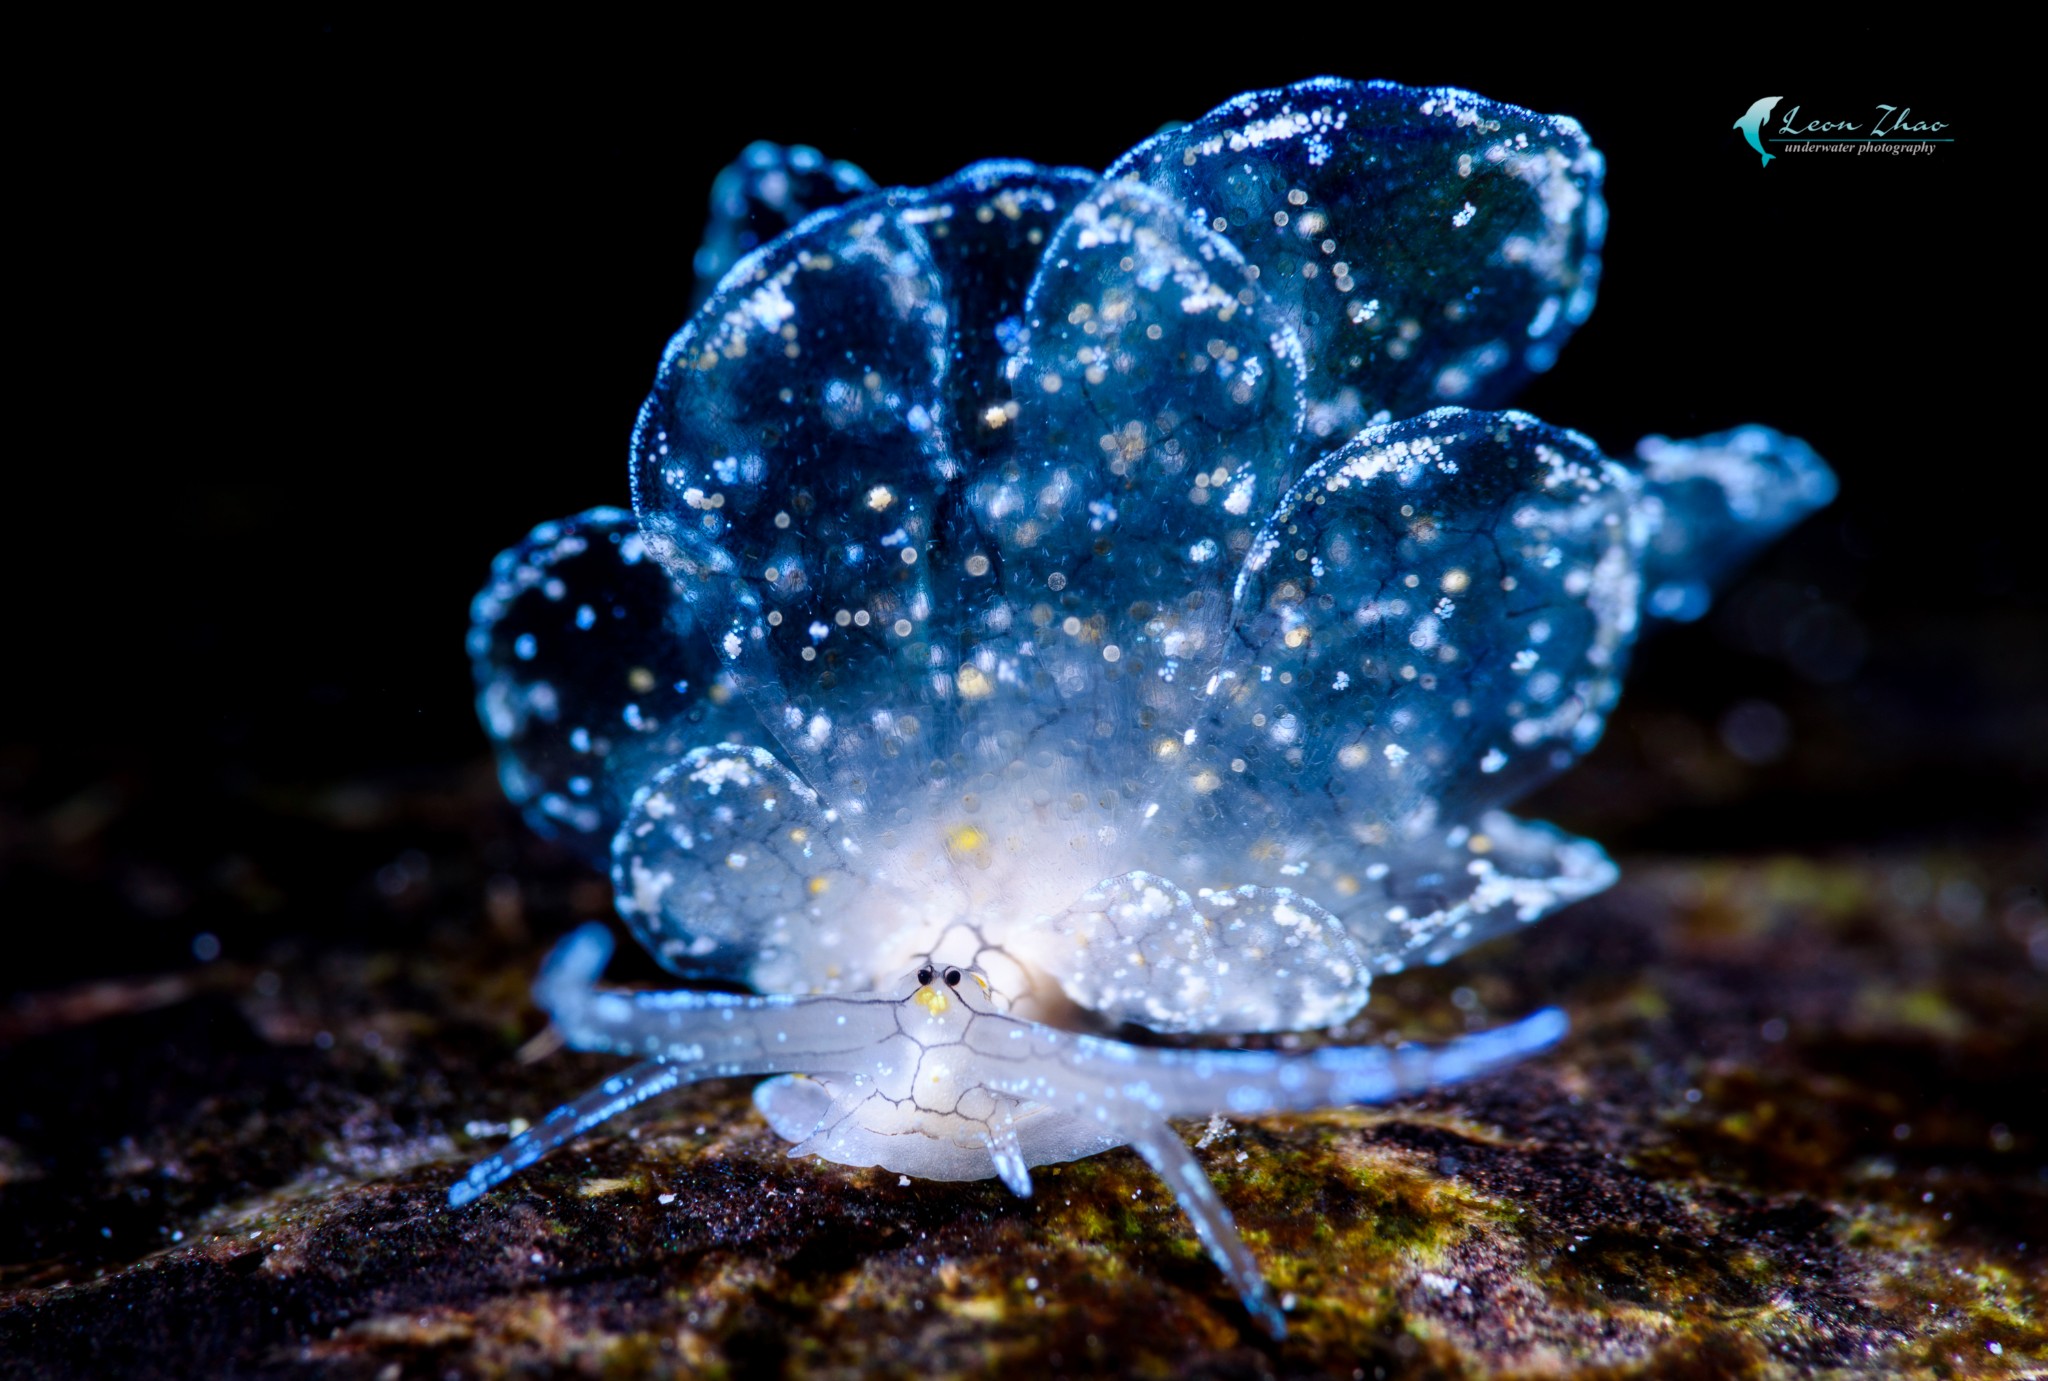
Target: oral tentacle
[(710, 1035), (562, 1126), (1195, 1083)]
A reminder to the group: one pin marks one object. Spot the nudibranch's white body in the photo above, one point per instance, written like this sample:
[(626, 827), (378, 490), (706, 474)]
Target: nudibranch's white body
[(1028, 591), (930, 1079)]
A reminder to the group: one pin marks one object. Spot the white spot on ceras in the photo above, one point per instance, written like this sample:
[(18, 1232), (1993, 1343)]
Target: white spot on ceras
[(717, 772)]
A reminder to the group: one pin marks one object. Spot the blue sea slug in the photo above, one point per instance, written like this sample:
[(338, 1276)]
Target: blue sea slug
[(1056, 602)]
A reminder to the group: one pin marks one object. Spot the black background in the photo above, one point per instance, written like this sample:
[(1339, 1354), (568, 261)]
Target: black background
[(324, 313)]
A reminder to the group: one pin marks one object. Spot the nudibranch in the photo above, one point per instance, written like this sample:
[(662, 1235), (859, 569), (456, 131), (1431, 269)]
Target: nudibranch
[(1055, 602)]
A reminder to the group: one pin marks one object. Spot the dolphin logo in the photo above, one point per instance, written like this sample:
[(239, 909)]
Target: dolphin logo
[(1752, 123)]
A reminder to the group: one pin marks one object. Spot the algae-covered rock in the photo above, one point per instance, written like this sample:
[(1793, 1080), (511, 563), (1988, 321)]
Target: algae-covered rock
[(1799, 1127)]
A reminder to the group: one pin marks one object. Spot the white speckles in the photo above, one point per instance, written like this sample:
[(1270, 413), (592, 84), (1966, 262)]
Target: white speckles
[(723, 770), (1463, 217)]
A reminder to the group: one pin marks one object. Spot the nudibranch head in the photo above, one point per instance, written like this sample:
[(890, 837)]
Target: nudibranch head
[(1104, 599), (943, 988)]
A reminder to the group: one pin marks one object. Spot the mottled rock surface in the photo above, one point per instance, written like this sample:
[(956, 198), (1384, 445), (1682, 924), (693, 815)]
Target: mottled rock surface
[(1800, 1128)]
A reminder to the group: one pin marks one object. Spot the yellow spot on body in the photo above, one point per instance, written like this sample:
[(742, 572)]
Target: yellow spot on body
[(817, 886), (641, 680), (935, 1002), (966, 840)]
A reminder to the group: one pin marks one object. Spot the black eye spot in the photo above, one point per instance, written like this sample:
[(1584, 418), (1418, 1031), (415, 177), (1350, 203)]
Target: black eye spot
[(952, 978), (924, 975)]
